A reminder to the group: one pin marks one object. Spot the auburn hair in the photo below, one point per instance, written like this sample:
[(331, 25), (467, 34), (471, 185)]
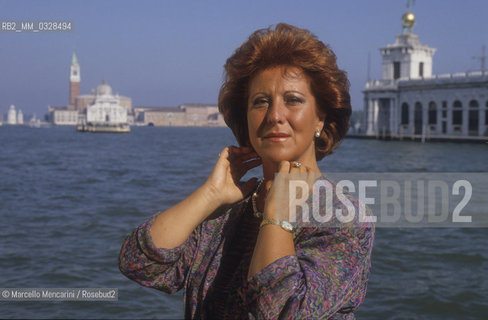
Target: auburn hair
[(287, 45)]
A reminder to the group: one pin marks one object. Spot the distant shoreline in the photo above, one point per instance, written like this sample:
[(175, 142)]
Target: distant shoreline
[(418, 138)]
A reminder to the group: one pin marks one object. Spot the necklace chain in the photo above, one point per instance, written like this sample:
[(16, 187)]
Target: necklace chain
[(254, 196)]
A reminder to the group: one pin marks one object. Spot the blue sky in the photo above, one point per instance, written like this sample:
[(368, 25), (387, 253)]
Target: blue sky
[(165, 53)]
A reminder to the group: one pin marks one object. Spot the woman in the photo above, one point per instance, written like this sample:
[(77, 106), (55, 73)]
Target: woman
[(228, 244)]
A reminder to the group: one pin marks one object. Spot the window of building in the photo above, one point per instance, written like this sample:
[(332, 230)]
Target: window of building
[(457, 113), (396, 70), (417, 118), (473, 104), (421, 69), (444, 104), (432, 113), (486, 113), (404, 113), (444, 113)]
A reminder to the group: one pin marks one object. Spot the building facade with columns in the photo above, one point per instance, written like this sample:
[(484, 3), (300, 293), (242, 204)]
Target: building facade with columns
[(106, 108), (410, 101)]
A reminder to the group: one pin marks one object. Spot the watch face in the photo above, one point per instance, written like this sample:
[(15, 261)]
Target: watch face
[(287, 226)]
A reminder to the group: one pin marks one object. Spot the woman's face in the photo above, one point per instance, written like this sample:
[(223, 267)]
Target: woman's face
[(282, 115)]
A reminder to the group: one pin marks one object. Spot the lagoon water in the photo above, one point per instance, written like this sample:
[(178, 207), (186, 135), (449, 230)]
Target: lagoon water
[(68, 199)]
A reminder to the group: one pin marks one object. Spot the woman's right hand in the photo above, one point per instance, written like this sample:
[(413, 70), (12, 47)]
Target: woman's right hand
[(223, 184), (172, 227)]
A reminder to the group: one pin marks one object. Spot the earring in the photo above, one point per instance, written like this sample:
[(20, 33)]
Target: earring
[(317, 133)]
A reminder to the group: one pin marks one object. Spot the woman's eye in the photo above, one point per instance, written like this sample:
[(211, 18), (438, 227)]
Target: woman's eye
[(294, 100), (261, 102)]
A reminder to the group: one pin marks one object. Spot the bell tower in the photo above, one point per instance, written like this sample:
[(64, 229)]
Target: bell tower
[(407, 58), (74, 80)]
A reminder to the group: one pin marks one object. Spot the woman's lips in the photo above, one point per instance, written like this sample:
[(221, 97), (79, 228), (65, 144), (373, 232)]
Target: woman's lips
[(279, 137)]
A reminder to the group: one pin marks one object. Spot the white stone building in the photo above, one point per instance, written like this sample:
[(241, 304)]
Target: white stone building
[(20, 117), (185, 115), (410, 101), (106, 109), (12, 115), (62, 116)]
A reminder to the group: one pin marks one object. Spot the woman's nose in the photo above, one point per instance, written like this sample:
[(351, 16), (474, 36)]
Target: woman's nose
[(276, 112)]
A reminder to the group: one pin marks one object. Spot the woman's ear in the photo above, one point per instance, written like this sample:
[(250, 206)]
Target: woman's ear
[(321, 122)]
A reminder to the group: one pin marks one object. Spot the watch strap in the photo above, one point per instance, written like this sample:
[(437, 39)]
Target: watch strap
[(285, 225)]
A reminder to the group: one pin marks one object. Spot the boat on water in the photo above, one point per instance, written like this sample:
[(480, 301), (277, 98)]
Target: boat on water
[(103, 127)]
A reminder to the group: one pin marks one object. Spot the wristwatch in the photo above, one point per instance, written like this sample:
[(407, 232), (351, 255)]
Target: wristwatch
[(285, 225)]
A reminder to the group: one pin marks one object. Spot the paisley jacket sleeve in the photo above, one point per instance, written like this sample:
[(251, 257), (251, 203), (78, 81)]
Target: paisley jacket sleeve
[(326, 279), (160, 268)]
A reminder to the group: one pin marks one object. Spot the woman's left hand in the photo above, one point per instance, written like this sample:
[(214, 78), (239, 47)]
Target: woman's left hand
[(293, 184)]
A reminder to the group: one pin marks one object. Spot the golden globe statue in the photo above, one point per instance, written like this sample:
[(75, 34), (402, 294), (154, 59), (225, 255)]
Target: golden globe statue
[(408, 20)]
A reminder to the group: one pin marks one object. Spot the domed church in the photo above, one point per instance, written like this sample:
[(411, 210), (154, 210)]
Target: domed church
[(106, 108)]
